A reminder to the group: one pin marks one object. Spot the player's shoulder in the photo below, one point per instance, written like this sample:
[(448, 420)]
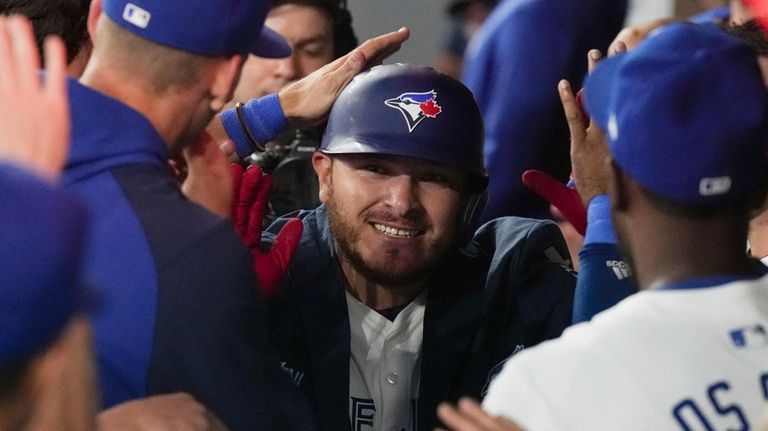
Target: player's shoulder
[(505, 229), (507, 237)]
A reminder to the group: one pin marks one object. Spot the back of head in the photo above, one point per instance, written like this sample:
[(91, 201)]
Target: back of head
[(411, 111), (42, 232), (686, 116)]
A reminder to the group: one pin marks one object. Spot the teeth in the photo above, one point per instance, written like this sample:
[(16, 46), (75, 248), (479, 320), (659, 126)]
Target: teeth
[(400, 233)]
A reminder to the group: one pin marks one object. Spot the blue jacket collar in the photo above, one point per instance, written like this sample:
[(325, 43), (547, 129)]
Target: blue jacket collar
[(106, 133)]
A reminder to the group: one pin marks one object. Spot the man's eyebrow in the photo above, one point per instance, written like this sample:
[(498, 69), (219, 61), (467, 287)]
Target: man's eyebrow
[(312, 39)]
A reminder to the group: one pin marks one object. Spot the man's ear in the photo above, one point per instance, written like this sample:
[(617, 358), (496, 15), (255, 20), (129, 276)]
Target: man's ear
[(94, 13), (323, 167), (226, 75), (617, 188)]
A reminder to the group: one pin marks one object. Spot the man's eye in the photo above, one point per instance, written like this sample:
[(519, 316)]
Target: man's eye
[(435, 178), (375, 169)]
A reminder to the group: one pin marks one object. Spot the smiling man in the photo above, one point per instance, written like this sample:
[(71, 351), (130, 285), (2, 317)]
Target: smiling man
[(390, 305)]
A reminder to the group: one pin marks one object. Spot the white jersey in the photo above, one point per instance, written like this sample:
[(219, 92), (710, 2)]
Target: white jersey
[(688, 359), (384, 366)]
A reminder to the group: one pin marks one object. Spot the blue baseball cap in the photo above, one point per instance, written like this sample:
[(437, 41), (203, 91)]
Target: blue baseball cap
[(205, 27), (685, 113), (42, 233)]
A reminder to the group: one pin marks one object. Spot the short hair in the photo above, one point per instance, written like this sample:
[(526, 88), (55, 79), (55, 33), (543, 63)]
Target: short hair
[(65, 18), (161, 66), (750, 33), (344, 38)]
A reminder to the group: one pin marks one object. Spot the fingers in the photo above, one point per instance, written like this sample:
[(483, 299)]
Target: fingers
[(469, 416), (381, 47), (24, 51), (260, 196), (7, 72), (56, 73), (244, 199), (371, 52), (617, 48), (573, 114), (593, 57), (472, 410), (286, 243), (454, 419)]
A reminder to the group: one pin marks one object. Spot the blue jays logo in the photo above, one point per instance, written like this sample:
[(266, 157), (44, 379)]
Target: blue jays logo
[(415, 107)]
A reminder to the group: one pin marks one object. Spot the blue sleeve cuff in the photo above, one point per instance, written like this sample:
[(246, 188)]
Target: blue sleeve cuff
[(265, 120), (599, 224)]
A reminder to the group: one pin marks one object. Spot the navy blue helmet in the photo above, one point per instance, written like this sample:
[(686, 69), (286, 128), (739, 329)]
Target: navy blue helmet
[(407, 110)]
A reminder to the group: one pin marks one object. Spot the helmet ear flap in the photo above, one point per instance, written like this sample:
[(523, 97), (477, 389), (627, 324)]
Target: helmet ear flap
[(471, 215)]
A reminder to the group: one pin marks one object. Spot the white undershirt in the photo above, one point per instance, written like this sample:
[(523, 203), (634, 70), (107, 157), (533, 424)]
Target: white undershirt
[(384, 366)]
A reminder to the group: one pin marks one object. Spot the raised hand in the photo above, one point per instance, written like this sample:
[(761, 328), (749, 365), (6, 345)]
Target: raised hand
[(34, 115), (308, 101), (589, 152)]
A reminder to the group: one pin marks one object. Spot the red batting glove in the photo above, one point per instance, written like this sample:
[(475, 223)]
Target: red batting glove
[(252, 189), (562, 197)]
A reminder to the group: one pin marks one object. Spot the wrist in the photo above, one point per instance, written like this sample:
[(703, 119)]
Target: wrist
[(599, 224)]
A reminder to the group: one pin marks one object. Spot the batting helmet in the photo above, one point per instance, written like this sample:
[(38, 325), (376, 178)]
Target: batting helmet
[(413, 111)]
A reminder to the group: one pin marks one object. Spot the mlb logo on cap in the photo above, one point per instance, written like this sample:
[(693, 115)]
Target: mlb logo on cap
[(204, 27), (136, 15), (686, 114)]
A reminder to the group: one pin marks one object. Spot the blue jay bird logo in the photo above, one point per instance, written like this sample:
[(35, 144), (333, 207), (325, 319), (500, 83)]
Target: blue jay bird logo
[(415, 107)]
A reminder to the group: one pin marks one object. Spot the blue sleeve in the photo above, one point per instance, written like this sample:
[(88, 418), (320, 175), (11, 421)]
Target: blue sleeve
[(605, 278), (264, 118)]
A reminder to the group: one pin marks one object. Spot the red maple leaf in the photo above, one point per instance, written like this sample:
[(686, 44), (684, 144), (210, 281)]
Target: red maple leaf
[(430, 108)]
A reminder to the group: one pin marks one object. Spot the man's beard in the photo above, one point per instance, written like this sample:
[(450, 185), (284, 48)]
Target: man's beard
[(345, 235)]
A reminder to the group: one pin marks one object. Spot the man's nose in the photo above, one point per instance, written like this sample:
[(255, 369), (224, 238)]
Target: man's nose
[(403, 195), (286, 67)]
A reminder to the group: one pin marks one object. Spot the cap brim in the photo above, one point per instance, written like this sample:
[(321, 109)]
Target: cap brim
[(598, 89), (270, 45)]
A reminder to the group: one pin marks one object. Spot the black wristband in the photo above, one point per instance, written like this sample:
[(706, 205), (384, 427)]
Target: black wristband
[(255, 145)]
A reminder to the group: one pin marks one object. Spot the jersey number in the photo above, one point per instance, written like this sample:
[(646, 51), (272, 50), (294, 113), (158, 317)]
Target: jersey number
[(690, 417)]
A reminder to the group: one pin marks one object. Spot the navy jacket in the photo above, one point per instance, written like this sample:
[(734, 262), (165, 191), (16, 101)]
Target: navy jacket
[(179, 311), (515, 288)]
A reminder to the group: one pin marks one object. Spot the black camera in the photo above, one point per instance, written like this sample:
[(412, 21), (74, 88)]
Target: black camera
[(288, 160)]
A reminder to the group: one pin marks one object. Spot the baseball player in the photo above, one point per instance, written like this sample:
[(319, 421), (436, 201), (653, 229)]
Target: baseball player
[(390, 304), (688, 164), (180, 312)]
